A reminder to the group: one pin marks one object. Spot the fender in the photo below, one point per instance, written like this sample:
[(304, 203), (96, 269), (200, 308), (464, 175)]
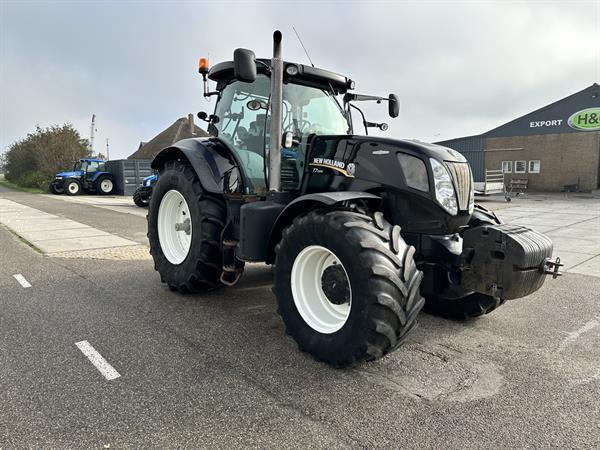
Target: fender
[(210, 158), (305, 203), (99, 174)]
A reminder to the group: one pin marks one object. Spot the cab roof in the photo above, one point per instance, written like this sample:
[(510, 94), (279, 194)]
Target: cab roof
[(223, 73), (92, 160)]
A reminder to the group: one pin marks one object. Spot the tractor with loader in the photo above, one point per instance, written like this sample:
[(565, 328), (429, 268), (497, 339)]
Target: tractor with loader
[(362, 231)]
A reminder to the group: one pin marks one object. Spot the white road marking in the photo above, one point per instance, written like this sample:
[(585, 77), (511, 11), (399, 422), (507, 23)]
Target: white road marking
[(22, 281), (97, 360), (574, 335)]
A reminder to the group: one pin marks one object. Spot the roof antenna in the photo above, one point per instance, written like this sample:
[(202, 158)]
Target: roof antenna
[(300, 40)]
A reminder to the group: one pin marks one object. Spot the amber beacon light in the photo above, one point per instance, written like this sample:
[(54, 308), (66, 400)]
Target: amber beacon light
[(203, 65)]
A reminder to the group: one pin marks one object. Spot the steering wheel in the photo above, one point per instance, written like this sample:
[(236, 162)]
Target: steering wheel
[(301, 125)]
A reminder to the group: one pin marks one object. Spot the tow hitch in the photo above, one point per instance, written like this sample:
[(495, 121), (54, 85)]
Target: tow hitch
[(550, 267)]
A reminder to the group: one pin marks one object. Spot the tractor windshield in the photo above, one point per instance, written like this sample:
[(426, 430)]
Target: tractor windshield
[(79, 165), (243, 123)]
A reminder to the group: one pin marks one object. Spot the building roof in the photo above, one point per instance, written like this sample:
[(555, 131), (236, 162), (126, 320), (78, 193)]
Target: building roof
[(555, 114), (587, 97), (179, 130)]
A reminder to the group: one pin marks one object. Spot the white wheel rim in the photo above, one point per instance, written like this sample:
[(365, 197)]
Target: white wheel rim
[(174, 227), (106, 185), (307, 290), (73, 188)]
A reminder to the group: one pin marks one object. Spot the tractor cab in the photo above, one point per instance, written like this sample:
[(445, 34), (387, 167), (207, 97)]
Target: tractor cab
[(89, 166), (312, 105)]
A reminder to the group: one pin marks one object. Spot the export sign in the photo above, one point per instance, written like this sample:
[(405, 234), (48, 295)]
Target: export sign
[(586, 120)]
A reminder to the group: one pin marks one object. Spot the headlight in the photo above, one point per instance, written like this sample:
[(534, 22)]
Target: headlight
[(59, 178), (444, 190)]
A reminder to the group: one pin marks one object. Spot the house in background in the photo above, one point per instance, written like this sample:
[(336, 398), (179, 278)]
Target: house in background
[(183, 128)]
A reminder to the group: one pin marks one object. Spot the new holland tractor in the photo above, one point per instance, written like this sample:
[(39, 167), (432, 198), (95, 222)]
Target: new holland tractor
[(362, 231), (88, 174)]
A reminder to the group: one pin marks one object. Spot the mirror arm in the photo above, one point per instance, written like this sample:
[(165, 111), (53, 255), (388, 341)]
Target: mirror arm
[(361, 113), (207, 93), (362, 98)]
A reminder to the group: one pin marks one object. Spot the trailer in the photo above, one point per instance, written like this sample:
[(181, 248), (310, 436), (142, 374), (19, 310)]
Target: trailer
[(493, 184)]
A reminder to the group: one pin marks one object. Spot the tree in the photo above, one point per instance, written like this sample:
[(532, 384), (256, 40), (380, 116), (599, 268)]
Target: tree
[(33, 161), (2, 162)]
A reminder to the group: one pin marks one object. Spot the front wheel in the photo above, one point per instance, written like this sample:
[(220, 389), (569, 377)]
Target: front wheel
[(72, 187), (140, 201), (184, 230), (54, 189), (346, 285)]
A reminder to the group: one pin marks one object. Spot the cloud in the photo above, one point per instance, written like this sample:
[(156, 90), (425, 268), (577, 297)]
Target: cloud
[(459, 68)]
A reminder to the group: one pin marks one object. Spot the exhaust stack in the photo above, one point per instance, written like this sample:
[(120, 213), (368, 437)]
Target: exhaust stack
[(276, 119)]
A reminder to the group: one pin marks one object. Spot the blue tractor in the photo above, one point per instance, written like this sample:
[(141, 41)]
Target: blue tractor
[(88, 174), (141, 197)]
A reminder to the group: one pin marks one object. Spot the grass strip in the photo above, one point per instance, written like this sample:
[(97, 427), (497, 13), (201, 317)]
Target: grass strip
[(22, 239), (16, 187)]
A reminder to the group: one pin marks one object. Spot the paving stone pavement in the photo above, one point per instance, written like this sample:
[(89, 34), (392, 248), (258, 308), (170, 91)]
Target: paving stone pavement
[(571, 220), (57, 236), (121, 204)]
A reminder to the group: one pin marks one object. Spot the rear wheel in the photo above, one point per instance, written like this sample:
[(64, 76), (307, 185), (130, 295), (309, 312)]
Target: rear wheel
[(72, 187), (346, 285), (474, 304), (104, 185), (184, 230), (138, 200)]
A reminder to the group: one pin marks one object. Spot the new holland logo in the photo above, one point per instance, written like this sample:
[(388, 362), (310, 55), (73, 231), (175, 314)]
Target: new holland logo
[(351, 168), (338, 166), (586, 120)]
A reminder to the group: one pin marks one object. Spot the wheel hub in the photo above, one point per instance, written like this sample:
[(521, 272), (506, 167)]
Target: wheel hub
[(321, 289), (106, 185), (335, 285), (185, 226)]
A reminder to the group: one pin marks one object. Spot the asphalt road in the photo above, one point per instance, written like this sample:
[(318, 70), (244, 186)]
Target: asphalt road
[(218, 370)]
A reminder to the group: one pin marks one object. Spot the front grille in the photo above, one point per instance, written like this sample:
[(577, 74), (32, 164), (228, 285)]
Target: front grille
[(461, 175)]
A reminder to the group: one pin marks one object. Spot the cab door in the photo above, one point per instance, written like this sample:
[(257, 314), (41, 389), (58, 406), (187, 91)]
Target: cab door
[(90, 169)]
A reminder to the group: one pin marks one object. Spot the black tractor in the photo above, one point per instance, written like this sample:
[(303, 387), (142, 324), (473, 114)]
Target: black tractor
[(362, 231)]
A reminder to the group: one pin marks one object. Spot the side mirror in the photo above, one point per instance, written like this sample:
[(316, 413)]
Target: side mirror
[(393, 105), (288, 140), (244, 65)]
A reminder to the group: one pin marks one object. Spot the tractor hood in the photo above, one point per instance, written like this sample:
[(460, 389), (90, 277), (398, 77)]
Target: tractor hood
[(415, 146), (404, 169), (375, 158), (76, 173)]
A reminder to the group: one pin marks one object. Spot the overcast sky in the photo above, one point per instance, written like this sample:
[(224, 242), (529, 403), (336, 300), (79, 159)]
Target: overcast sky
[(459, 68)]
